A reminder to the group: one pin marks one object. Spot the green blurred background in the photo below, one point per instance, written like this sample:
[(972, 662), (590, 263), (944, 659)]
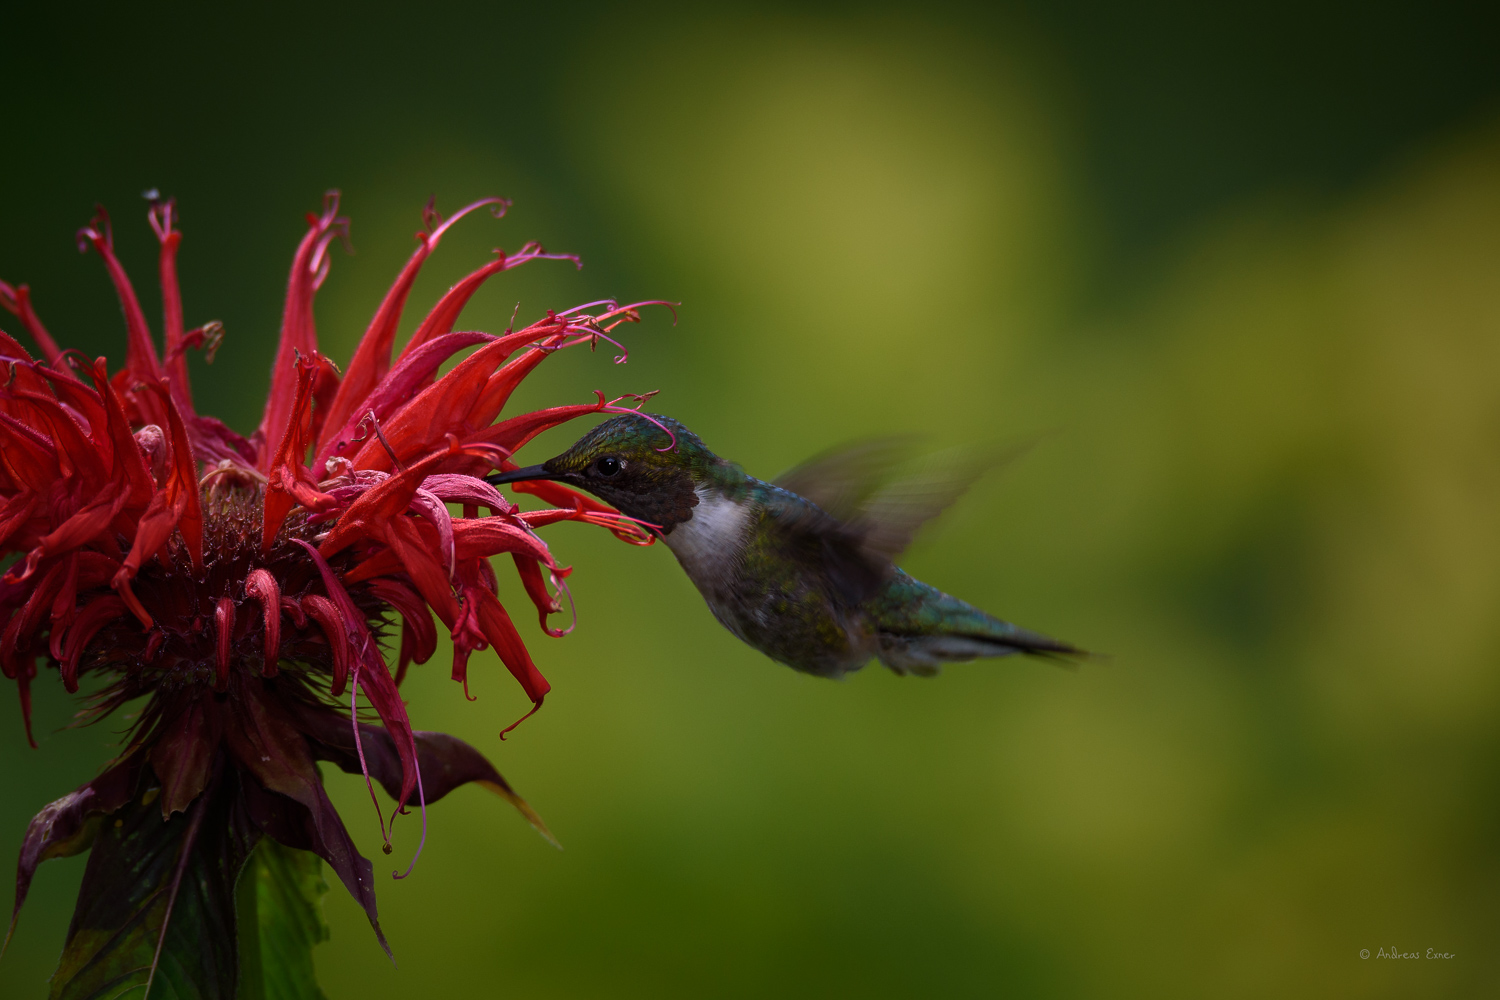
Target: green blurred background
[(1239, 267)]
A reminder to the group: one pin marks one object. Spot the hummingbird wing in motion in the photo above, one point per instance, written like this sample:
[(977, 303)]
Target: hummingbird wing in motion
[(881, 496), (852, 511)]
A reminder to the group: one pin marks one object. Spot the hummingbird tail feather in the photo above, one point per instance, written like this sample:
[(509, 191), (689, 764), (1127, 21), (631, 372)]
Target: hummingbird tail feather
[(924, 655), (923, 628)]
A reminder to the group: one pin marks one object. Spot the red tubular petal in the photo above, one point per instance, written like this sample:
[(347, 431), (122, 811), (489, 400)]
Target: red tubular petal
[(289, 481), (326, 613), (565, 497), (23, 685), (325, 387), (530, 572), (415, 542), (262, 586), (488, 536), (298, 336), (140, 354), (293, 608), (383, 563), (438, 410), (160, 217), (215, 442), (174, 506), (415, 616), (372, 359), (28, 458), (15, 512), (408, 651), (17, 299), (185, 479), (446, 406), (511, 434), (468, 491), (445, 313), (85, 455), (63, 605), (94, 616), (20, 631), (122, 587), (409, 378), (506, 641), (129, 464), (379, 506), (224, 632), (501, 384)]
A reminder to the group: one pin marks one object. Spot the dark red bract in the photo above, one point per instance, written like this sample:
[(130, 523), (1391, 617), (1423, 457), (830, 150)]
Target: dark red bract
[(244, 585)]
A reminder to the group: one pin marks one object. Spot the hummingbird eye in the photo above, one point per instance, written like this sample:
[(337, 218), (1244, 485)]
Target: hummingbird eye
[(609, 466)]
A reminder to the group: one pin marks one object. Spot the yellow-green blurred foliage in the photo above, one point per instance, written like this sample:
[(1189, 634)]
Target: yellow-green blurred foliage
[(1267, 486)]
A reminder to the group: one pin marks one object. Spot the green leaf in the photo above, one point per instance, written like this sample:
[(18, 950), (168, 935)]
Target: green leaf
[(281, 918), (156, 910)]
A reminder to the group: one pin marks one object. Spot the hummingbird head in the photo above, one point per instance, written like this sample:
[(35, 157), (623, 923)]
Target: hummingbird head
[(633, 463)]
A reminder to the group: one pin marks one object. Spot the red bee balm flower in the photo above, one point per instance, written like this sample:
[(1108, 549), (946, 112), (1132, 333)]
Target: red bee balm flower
[(243, 587)]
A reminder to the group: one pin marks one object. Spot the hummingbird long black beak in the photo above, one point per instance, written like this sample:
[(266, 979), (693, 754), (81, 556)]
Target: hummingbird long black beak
[(519, 475)]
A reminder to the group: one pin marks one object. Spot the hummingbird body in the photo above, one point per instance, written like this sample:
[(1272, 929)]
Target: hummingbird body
[(811, 585)]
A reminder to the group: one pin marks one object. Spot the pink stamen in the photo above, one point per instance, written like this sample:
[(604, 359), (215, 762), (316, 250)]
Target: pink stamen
[(613, 407), (359, 748), (422, 802), (561, 584), (375, 423), (501, 205)]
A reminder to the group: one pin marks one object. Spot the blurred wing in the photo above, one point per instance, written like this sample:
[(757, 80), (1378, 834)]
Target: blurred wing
[(888, 518), (807, 536), (838, 480)]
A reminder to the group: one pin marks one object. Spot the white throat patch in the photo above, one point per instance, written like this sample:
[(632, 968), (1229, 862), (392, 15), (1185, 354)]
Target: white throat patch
[(708, 542)]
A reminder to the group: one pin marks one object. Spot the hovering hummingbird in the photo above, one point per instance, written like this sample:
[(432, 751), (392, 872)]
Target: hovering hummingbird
[(801, 569)]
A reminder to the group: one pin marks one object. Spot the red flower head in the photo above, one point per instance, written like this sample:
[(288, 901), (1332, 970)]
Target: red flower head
[(244, 585)]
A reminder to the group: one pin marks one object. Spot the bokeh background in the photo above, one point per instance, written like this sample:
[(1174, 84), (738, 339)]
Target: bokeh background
[(1237, 266)]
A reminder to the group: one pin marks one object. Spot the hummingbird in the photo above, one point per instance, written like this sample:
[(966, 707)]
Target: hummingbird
[(801, 568)]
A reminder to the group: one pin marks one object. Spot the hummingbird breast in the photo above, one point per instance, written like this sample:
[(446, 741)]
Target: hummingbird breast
[(763, 592), (710, 544)]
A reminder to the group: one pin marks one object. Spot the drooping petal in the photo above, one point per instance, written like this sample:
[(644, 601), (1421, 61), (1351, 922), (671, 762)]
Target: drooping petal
[(224, 635), (261, 586), (323, 611), (489, 536), (379, 687), (418, 636)]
